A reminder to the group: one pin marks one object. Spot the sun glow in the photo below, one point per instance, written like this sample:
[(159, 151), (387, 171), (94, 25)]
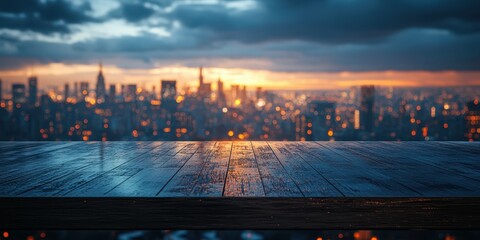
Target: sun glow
[(59, 73)]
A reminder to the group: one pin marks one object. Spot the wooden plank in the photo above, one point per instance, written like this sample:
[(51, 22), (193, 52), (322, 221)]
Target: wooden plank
[(27, 151), (282, 169), (460, 161), (36, 173), (110, 172), (310, 181), (470, 147), (166, 160), (211, 179), (87, 160), (276, 180), (182, 183), (243, 177), (415, 175), (348, 173), (240, 213)]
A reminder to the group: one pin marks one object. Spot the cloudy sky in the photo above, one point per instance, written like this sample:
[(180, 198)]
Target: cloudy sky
[(276, 43)]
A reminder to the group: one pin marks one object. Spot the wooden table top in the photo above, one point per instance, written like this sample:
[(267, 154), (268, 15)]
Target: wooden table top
[(239, 169)]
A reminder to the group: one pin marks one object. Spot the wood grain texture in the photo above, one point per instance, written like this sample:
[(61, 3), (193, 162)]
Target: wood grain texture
[(239, 169), (239, 185), (240, 213)]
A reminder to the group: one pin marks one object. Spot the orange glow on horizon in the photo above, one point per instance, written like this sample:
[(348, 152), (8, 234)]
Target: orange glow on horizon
[(57, 74)]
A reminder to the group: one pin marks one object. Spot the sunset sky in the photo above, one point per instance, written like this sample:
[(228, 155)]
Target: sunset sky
[(278, 44)]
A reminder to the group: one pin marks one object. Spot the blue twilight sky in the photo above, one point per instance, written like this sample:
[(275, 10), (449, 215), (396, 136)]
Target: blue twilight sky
[(273, 35)]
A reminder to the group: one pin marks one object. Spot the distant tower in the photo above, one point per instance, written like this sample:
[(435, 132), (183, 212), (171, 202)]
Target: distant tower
[(112, 93), (32, 90), (204, 89), (75, 90), (472, 117), (100, 88), (168, 94), (66, 92), (243, 94), (234, 94), (18, 93), (201, 86), (200, 77), (131, 93), (258, 93), (84, 89), (221, 99), (367, 101)]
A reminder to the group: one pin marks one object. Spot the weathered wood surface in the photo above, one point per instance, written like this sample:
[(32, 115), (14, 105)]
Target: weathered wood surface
[(113, 185), (240, 169)]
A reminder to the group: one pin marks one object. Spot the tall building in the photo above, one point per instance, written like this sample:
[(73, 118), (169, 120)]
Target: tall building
[(84, 89), (320, 120), (221, 99), (472, 117), (204, 89), (66, 92), (154, 92), (130, 93), (112, 93), (122, 92), (243, 95), (100, 90), (367, 101), (32, 90), (200, 77), (168, 94), (18, 93), (75, 90), (258, 93), (234, 94)]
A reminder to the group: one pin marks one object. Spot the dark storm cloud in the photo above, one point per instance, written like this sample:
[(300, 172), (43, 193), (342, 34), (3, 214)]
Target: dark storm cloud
[(331, 21), (42, 16), (132, 11)]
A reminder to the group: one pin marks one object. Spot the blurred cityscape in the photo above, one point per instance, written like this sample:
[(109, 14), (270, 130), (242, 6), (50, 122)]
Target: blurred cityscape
[(246, 234), (78, 111)]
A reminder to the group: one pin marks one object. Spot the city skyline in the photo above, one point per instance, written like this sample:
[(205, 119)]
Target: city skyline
[(57, 74), (364, 112)]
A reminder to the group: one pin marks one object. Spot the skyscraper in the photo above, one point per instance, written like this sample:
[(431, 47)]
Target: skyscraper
[(258, 93), (100, 90), (243, 95), (221, 99), (472, 117), (168, 94), (234, 94), (84, 89), (112, 93), (200, 77), (131, 93), (320, 121), (367, 101), (18, 93), (66, 92), (75, 90), (32, 90), (169, 90), (204, 89)]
